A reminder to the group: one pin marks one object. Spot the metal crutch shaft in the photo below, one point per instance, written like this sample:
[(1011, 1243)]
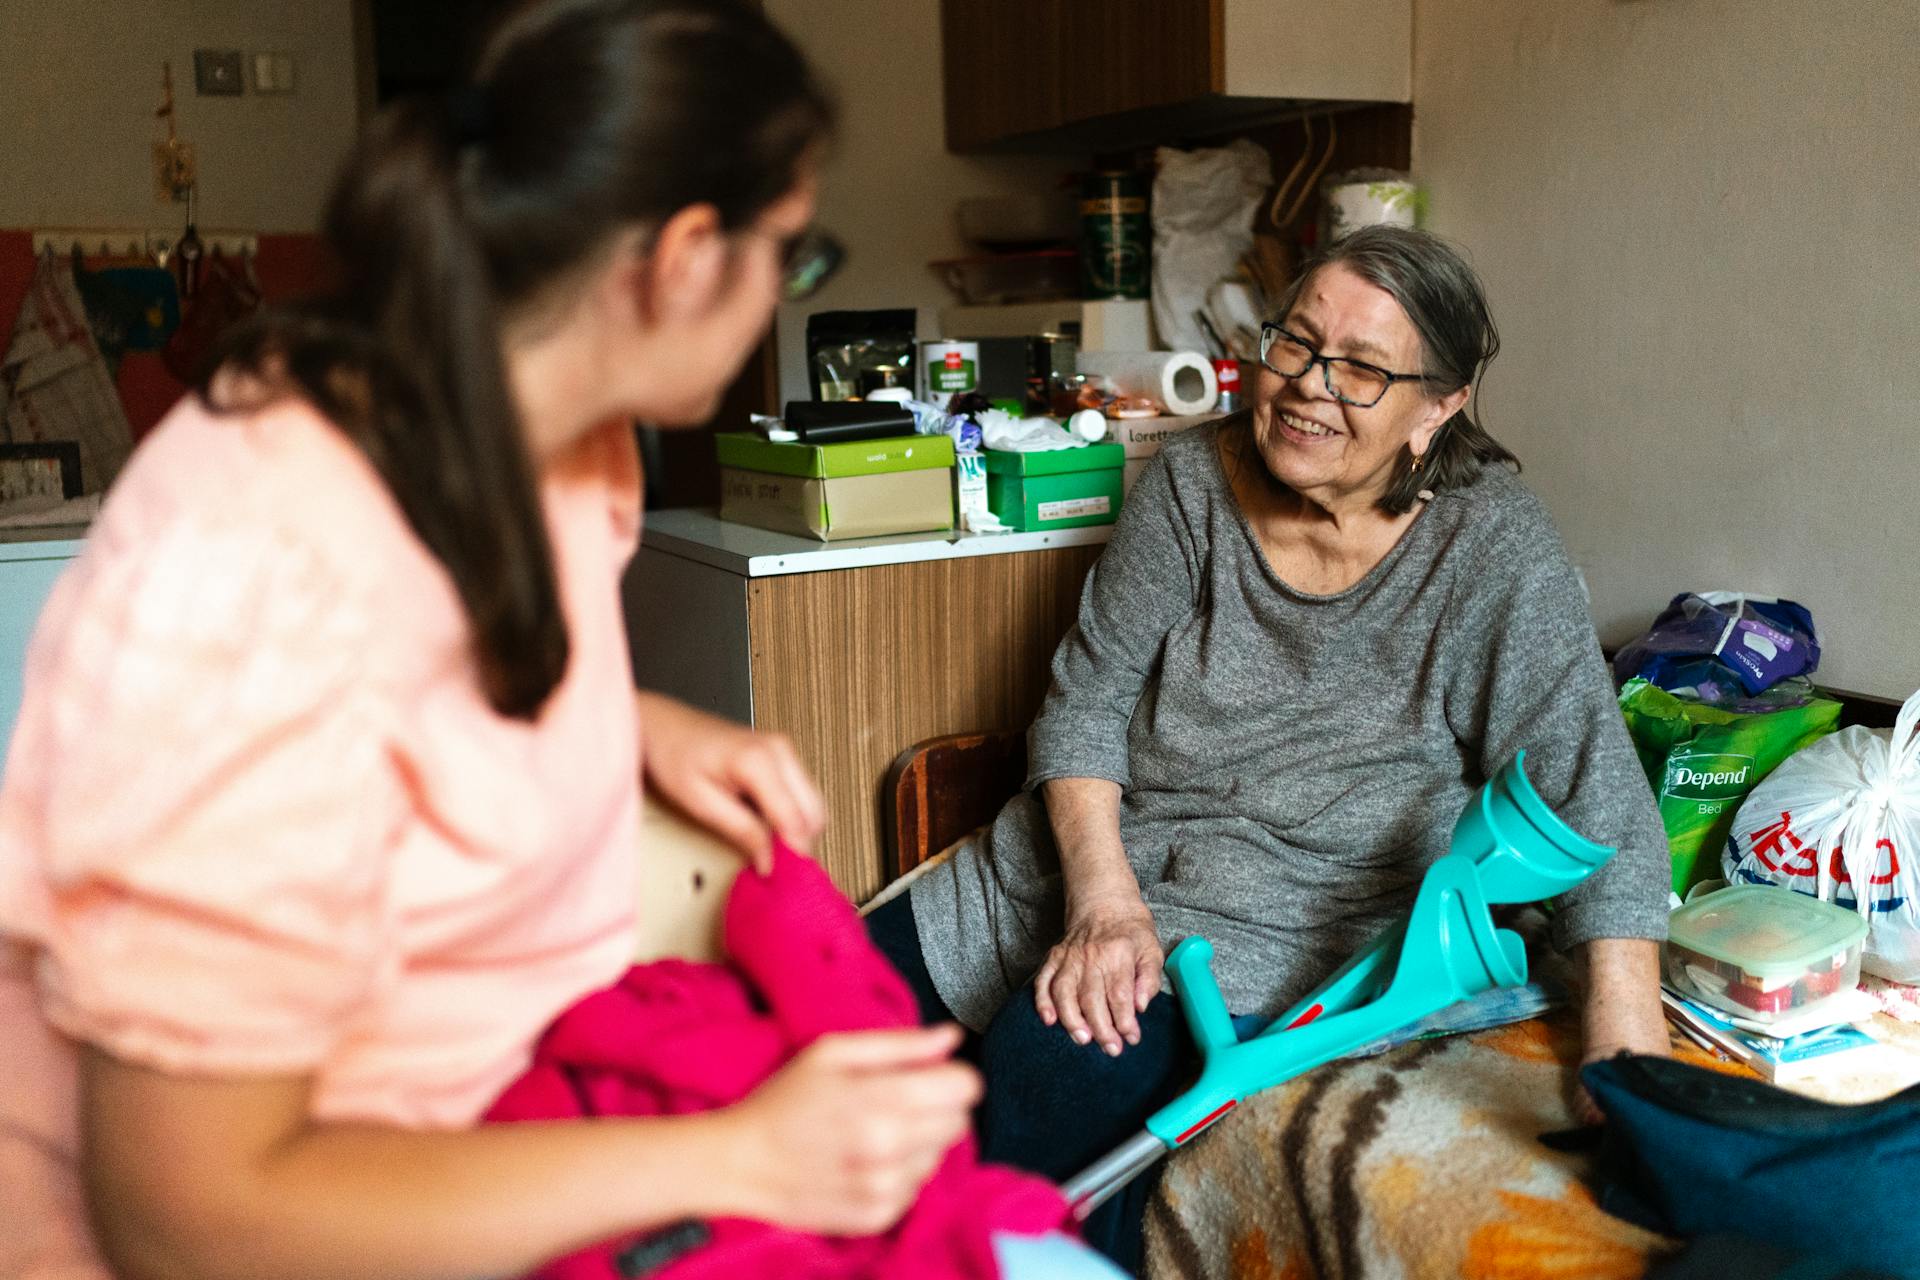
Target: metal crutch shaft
[(1101, 1180)]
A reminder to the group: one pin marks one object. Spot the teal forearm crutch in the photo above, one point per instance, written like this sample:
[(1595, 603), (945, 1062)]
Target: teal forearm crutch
[(1508, 847)]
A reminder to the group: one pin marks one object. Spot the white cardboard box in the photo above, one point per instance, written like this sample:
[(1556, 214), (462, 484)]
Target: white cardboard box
[(1142, 437)]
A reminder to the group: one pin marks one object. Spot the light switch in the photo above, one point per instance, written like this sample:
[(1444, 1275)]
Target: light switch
[(217, 71), (273, 72)]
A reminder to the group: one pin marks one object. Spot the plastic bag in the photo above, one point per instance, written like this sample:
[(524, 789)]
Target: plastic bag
[(1841, 821), (849, 351), (1713, 645), (1204, 203), (1703, 761)]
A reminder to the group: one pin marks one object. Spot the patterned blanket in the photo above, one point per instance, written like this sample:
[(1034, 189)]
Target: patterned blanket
[(1420, 1163)]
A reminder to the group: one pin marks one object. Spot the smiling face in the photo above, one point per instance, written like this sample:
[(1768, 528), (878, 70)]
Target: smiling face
[(1332, 453)]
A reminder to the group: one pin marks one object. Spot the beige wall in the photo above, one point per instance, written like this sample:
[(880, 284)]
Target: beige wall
[(1698, 224), (890, 188), (82, 79)]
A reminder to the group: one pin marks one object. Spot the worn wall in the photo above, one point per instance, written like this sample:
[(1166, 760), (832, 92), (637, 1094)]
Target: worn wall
[(82, 80), (1697, 221), (890, 187)]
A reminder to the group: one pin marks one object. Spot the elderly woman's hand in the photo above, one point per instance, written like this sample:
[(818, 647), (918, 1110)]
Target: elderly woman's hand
[(1102, 974), (1621, 1012)]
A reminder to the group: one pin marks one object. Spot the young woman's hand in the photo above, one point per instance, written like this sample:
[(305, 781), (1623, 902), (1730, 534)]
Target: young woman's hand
[(1099, 978), (743, 786), (841, 1141)]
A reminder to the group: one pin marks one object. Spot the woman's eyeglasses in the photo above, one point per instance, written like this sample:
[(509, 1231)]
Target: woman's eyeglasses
[(1353, 382), (807, 261)]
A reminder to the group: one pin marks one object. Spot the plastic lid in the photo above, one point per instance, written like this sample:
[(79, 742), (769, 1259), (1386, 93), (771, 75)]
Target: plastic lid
[(1769, 932)]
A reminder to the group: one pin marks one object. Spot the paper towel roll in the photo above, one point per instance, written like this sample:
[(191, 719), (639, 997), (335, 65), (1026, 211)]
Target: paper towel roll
[(1182, 381), (1353, 205)]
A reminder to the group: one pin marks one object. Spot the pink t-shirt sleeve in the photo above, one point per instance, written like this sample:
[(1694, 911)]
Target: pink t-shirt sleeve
[(215, 800)]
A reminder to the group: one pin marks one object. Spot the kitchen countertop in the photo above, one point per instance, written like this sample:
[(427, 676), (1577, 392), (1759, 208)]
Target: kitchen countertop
[(700, 535), (36, 542)]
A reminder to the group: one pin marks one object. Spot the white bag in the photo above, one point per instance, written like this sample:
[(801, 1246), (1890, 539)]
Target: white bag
[(1840, 820), (1204, 204)]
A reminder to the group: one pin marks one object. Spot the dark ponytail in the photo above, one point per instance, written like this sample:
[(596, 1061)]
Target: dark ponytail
[(584, 118)]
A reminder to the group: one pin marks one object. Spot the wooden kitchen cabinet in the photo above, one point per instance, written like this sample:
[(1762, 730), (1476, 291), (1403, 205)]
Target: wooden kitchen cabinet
[(1132, 57), (1031, 73), (854, 651), (998, 60)]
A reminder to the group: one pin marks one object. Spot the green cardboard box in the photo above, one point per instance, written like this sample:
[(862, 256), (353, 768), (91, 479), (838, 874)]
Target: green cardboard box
[(836, 507), (1047, 462), (747, 451), (1056, 489)]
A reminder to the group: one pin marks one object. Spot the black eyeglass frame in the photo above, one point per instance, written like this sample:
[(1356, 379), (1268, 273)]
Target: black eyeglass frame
[(808, 260), (1271, 330)]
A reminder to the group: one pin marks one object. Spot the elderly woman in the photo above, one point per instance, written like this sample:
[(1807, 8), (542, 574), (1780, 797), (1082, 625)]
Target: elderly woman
[(1319, 627)]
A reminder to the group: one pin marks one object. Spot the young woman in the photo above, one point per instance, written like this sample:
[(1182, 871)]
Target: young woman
[(323, 800)]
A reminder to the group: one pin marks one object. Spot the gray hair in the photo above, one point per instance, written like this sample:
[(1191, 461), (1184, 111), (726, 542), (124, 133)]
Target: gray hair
[(1444, 300)]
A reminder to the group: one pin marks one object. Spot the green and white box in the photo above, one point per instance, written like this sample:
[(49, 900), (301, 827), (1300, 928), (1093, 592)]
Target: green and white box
[(851, 489), (1055, 489), (838, 507), (750, 452)]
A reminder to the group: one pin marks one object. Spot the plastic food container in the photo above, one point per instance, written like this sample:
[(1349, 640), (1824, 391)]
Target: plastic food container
[(1763, 953)]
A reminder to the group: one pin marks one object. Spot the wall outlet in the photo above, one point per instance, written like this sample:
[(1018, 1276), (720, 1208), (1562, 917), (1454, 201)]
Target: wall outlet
[(217, 72)]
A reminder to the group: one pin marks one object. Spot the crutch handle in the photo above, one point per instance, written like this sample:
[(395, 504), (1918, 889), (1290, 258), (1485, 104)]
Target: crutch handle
[(1190, 969)]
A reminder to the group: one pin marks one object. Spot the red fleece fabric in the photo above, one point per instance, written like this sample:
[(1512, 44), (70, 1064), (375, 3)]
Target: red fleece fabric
[(673, 1038)]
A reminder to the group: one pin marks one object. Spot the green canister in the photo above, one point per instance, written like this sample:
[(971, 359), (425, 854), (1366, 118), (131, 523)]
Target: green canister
[(1116, 239)]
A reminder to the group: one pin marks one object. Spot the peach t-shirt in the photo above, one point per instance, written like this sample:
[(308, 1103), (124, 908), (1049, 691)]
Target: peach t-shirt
[(258, 817)]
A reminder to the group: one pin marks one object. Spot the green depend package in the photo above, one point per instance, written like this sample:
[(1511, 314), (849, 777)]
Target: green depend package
[(1702, 761)]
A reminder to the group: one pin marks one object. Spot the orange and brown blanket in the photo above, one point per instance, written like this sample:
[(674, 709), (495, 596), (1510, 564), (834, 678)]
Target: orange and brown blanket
[(1420, 1163)]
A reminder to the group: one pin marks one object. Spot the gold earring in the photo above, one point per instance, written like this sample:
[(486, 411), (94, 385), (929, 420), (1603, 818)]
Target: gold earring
[(1419, 460)]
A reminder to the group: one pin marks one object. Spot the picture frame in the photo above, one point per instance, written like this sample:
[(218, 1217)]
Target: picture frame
[(39, 469)]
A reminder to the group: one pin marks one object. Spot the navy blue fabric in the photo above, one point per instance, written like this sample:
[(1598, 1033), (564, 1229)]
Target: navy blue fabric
[(1053, 1107), (893, 931), (1693, 1152), (1726, 1257)]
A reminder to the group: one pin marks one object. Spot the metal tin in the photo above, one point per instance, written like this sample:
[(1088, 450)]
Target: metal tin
[(948, 369), (1053, 357), (1115, 237), (1053, 363)]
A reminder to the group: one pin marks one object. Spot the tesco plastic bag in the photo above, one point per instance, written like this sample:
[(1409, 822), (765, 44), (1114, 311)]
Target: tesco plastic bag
[(1840, 820)]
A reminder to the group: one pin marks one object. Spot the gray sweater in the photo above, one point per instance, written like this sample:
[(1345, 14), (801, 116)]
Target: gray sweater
[(1292, 763)]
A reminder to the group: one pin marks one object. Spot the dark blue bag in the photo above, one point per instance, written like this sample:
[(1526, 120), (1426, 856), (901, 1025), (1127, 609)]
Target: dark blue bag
[(1691, 1152), (1719, 647)]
